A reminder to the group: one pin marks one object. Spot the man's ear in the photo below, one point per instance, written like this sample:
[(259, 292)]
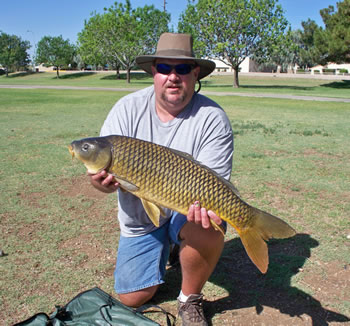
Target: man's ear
[(153, 70), (197, 71)]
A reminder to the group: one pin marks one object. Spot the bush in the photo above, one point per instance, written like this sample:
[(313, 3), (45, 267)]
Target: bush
[(329, 71)]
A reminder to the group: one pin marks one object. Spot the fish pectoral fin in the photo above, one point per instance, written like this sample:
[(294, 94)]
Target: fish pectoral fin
[(162, 213), (126, 185), (153, 211), (217, 227)]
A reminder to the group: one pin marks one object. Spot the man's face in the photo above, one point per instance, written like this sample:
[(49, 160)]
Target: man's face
[(174, 91)]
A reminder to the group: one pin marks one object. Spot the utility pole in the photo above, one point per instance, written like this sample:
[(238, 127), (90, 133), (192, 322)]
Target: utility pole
[(164, 4)]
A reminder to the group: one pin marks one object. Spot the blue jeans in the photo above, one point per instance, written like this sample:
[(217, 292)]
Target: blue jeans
[(141, 261)]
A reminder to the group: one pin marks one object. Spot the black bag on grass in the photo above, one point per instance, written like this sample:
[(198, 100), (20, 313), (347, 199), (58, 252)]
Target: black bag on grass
[(94, 307)]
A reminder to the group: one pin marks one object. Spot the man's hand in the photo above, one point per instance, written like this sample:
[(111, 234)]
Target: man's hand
[(104, 182), (200, 215)]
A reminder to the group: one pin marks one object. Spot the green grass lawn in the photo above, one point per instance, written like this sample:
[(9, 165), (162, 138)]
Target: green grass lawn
[(248, 84), (60, 237), (280, 85), (85, 79)]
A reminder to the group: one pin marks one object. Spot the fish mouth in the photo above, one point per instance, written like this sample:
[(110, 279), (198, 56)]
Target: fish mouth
[(71, 151)]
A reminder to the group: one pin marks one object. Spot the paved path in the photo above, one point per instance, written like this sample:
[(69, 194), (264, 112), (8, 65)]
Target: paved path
[(283, 96), (261, 95)]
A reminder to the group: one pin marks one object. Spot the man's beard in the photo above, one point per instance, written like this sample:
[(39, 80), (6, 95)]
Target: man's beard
[(181, 97)]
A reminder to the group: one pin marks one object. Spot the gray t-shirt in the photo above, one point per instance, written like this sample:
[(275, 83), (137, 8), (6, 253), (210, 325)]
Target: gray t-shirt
[(202, 130)]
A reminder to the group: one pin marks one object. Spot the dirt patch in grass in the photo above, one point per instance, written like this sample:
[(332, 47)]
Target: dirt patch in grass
[(32, 199), (28, 231), (330, 282), (91, 251), (81, 186), (90, 245)]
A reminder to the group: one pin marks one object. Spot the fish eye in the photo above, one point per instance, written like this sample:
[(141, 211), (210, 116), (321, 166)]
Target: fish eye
[(85, 147)]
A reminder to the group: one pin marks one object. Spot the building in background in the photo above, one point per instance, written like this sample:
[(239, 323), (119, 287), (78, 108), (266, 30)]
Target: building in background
[(331, 69), (248, 65)]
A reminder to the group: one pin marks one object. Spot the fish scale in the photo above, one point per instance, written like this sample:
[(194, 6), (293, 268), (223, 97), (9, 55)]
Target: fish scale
[(163, 177)]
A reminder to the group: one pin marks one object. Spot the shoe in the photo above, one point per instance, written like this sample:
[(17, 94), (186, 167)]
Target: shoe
[(191, 311)]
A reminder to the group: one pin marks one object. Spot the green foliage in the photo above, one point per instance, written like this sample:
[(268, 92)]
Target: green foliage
[(55, 51), (333, 42), (234, 30), (284, 53), (13, 52), (187, 24), (90, 43), (121, 34), (308, 54)]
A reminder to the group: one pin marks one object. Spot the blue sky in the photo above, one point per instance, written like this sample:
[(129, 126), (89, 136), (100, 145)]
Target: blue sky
[(33, 19)]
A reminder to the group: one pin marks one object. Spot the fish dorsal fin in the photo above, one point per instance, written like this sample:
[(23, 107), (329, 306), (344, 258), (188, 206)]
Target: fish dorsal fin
[(153, 211), (234, 189), (183, 154), (126, 185)]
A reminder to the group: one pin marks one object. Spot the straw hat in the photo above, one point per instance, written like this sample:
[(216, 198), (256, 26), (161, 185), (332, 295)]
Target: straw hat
[(175, 46)]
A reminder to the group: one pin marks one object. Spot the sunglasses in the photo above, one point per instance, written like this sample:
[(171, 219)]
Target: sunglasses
[(181, 69)]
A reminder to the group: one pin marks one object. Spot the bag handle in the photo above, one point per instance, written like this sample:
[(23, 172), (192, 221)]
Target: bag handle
[(144, 307), (109, 305)]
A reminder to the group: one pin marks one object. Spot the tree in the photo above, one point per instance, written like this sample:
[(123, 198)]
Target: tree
[(55, 51), (91, 45), (121, 34), (13, 52), (284, 54), (234, 30), (305, 39), (333, 42)]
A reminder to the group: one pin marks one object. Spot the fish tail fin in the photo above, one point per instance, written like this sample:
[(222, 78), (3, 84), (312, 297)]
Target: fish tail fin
[(264, 227)]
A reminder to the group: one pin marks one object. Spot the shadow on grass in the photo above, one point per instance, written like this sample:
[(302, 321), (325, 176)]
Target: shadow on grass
[(76, 75), (133, 76), (344, 84), (210, 84), (291, 87), (247, 287), (23, 74)]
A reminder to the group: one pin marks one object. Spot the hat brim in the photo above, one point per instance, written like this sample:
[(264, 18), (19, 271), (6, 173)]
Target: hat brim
[(145, 62)]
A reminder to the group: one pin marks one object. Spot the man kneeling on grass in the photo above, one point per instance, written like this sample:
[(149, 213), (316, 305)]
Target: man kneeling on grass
[(170, 113)]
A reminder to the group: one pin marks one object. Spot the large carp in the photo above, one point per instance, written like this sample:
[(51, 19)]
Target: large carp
[(163, 177)]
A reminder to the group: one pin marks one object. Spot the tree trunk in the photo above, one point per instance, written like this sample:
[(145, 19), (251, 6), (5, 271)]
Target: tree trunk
[(128, 75), (235, 77), (57, 72), (117, 72)]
